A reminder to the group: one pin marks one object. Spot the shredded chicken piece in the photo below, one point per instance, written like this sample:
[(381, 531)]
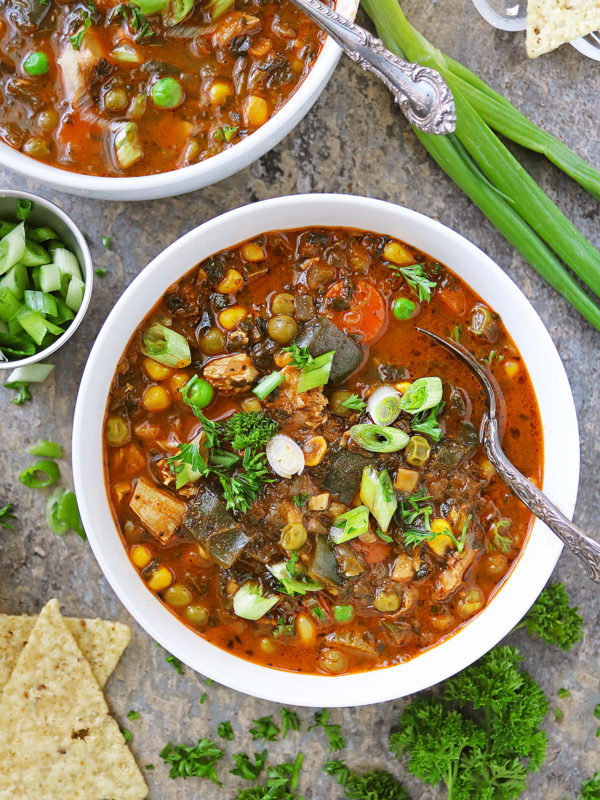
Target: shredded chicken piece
[(451, 578), (76, 71), (230, 374), (233, 26), (159, 511), (299, 408), (168, 479)]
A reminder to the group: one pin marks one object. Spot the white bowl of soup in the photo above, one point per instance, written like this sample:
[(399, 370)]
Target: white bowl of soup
[(104, 112), (412, 593)]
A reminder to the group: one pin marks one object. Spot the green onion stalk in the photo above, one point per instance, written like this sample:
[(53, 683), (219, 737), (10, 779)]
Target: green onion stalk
[(482, 166)]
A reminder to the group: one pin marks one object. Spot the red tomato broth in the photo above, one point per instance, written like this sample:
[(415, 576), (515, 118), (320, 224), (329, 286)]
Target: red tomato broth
[(398, 349)]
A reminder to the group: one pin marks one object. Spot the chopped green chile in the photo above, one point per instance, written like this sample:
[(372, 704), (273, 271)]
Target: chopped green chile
[(166, 346), (40, 475), (424, 393), (46, 449), (378, 438), (335, 570)]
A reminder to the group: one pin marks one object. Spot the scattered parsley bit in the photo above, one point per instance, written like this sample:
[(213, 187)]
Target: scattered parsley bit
[(553, 619), (355, 403), (300, 356), (336, 740), (23, 393), (203, 698), (565, 693), (244, 767), (174, 662), (265, 729), (77, 38), (417, 279), (241, 489), (133, 715), (301, 499), (225, 731), (281, 783), (385, 537), (194, 761), (558, 714), (132, 14), (426, 422), (127, 735), (283, 628), (456, 333), (208, 681), (106, 241), (318, 612), (6, 516), (376, 784), (597, 711), (248, 429), (149, 766), (590, 790), (289, 721), (485, 754), (498, 541), (225, 133), (101, 272)]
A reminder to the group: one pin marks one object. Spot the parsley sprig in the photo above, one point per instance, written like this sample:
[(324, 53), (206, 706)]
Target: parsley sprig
[(375, 784), (300, 356), (7, 516), (86, 23), (244, 767), (354, 403), (333, 731), (553, 619), (417, 279), (196, 761), (281, 783), (264, 728), (290, 721), (426, 422)]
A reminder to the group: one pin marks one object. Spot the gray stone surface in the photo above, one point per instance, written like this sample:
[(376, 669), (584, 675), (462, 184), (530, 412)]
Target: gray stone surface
[(354, 141)]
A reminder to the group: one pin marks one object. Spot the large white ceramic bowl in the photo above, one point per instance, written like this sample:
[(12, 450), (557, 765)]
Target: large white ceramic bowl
[(561, 452), (196, 176)]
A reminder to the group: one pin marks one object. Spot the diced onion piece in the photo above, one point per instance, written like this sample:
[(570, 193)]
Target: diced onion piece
[(126, 54), (384, 405), (32, 373), (128, 147), (316, 373), (268, 384), (378, 438), (74, 296), (350, 525), (12, 248), (166, 346), (285, 457), (377, 493), (250, 603), (424, 393)]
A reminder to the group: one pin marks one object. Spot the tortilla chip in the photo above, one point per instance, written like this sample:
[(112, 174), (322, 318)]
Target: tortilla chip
[(57, 738), (551, 23), (101, 641)]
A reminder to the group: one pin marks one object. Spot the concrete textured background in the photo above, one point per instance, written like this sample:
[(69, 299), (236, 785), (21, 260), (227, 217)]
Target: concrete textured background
[(354, 141)]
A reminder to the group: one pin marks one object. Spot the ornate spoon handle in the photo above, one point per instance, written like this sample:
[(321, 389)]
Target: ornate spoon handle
[(421, 92), (587, 550)]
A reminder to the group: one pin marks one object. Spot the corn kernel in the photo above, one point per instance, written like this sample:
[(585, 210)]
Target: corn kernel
[(141, 555), (470, 603), (397, 254), (232, 282), (267, 645), (314, 450), (178, 381), (162, 578), (402, 386), (252, 251), (256, 111), (512, 368), (156, 371), (251, 404), (487, 469), (305, 629), (229, 317), (156, 398), (442, 542), (219, 92)]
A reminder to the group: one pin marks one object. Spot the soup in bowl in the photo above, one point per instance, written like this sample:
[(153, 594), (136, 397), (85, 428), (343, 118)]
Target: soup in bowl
[(294, 470)]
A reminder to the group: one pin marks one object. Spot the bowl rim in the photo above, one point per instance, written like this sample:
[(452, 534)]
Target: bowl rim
[(561, 451), (88, 273), (204, 173)]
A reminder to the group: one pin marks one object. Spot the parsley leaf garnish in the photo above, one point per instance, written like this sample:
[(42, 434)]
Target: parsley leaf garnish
[(283, 628), (23, 393), (281, 783), (133, 715), (225, 731), (245, 768), (301, 499), (265, 729), (6, 516), (355, 403), (289, 721), (417, 279), (106, 241), (101, 272), (336, 740), (77, 38), (196, 761), (174, 662), (225, 133), (127, 734), (426, 422), (590, 790), (553, 619), (375, 784), (248, 429), (300, 356)]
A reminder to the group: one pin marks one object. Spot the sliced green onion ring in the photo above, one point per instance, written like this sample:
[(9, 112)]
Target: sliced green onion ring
[(379, 438), (55, 524), (250, 603), (377, 493), (268, 384), (424, 393), (350, 525), (166, 346), (46, 449), (316, 373), (40, 475), (384, 405)]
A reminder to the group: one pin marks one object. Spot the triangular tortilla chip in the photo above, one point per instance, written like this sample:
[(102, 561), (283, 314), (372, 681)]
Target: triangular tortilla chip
[(551, 23), (57, 738), (101, 641)]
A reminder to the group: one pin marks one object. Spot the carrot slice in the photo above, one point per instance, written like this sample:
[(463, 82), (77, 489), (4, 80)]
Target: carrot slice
[(372, 553), (366, 313)]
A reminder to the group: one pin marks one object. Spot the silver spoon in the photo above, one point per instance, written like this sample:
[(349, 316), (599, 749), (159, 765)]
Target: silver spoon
[(587, 550), (421, 92)]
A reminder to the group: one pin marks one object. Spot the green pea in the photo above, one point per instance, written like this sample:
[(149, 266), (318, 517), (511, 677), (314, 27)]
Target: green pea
[(403, 308), (36, 64), (202, 393), (167, 93)]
